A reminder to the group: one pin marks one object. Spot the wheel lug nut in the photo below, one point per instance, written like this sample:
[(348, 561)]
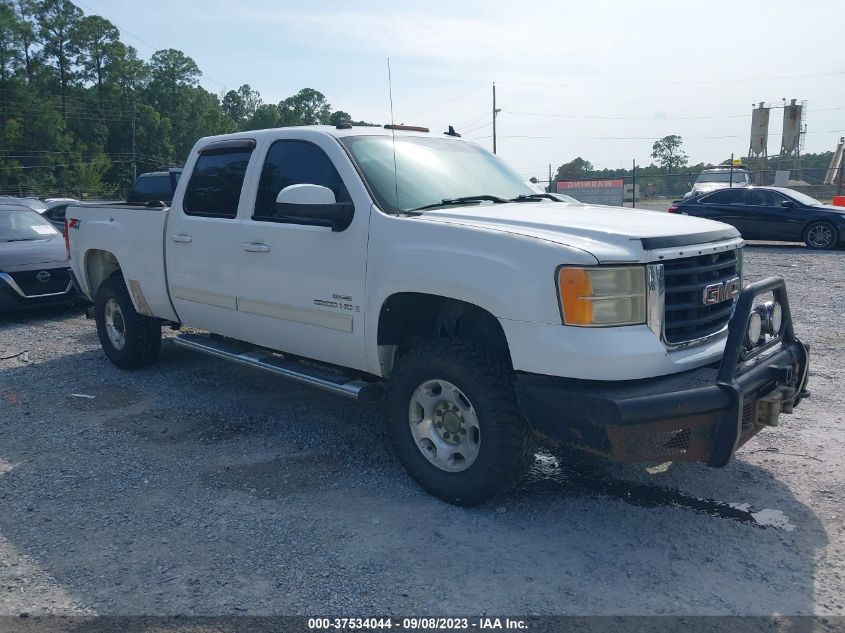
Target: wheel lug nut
[(463, 431), (438, 424)]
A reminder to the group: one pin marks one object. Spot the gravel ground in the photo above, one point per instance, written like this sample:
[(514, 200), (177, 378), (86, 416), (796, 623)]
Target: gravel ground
[(199, 487)]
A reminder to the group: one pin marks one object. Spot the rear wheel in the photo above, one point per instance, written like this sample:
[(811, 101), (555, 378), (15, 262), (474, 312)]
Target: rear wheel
[(129, 339), (455, 423), (820, 236)]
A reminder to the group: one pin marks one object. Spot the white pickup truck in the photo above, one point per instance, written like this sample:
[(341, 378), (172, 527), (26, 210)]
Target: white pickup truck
[(371, 261)]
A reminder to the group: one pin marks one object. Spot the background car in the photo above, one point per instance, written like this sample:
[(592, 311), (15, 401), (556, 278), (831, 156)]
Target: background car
[(55, 212), (155, 186), (719, 178), (771, 213), (30, 203), (34, 268)]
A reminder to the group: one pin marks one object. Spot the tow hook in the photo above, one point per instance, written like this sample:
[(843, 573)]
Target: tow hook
[(780, 400)]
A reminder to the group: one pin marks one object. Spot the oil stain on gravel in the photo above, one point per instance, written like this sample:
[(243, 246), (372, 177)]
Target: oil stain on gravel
[(548, 473), (174, 427), (279, 477)]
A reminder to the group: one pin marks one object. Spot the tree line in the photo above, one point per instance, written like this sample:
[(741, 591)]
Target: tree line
[(671, 172), (81, 112)]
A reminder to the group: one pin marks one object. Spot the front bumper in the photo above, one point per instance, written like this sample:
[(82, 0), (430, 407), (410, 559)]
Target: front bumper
[(13, 297), (700, 415)]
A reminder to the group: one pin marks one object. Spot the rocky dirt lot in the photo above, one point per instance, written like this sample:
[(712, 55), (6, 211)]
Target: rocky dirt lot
[(199, 487)]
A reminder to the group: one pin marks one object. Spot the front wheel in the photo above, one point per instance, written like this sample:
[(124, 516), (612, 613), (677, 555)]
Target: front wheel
[(820, 236), (454, 421), (129, 339)]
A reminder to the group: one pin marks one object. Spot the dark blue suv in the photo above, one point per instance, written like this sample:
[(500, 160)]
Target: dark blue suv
[(770, 213)]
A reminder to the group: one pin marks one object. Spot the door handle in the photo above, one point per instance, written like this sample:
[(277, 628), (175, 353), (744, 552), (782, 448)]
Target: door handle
[(255, 247), (181, 238)]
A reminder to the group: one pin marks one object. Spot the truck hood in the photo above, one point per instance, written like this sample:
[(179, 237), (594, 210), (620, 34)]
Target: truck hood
[(14, 254), (611, 234), (705, 187)]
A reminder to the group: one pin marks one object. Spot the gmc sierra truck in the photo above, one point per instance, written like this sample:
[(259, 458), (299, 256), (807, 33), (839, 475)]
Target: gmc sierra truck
[(418, 266)]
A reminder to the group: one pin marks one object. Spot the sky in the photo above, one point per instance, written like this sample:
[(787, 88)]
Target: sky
[(599, 79)]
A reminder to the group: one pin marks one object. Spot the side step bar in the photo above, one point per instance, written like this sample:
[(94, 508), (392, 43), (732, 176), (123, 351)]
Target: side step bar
[(245, 354)]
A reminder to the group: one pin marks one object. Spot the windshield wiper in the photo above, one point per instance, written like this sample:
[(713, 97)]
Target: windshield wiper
[(21, 239), (449, 202), (532, 197)]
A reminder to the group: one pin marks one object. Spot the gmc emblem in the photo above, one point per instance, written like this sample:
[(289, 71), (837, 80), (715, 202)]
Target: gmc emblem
[(724, 291)]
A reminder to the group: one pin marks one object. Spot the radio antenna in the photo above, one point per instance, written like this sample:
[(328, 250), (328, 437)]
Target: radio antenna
[(392, 132)]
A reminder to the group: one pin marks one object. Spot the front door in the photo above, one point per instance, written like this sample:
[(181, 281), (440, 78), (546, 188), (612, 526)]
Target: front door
[(770, 220), (300, 287), (202, 242)]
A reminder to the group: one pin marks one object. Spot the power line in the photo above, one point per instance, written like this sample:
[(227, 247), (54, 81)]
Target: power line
[(669, 83), (472, 121), (648, 118), (443, 103), (479, 127), (648, 138)]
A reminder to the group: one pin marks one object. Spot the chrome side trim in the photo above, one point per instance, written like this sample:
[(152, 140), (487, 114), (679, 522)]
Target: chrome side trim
[(14, 286)]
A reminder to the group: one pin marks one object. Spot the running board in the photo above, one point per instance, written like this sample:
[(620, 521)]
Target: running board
[(300, 371)]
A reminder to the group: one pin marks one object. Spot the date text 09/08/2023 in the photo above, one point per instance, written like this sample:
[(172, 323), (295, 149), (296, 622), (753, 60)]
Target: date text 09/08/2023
[(417, 624)]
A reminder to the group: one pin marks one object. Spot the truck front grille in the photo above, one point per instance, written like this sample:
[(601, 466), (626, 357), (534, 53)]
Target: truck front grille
[(686, 317), (31, 285)]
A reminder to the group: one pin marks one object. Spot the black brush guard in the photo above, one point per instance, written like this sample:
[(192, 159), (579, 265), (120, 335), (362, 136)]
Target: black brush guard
[(699, 415)]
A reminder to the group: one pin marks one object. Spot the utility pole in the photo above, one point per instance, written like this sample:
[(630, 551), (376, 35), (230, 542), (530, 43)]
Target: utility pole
[(495, 112), (550, 178), (732, 170), (634, 184), (134, 165)]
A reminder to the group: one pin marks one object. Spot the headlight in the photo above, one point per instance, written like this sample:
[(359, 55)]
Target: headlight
[(754, 330), (596, 297), (771, 313)]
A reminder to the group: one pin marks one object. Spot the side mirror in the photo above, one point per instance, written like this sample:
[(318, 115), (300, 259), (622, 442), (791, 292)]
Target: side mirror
[(313, 205), (787, 204)]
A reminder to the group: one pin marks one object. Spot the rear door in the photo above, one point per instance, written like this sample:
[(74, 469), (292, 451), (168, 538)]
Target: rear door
[(729, 206), (202, 241), (301, 287)]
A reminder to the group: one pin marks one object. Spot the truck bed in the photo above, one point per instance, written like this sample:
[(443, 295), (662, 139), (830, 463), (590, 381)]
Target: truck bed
[(136, 241)]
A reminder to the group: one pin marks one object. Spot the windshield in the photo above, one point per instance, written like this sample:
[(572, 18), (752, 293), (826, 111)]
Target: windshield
[(430, 170), (21, 224), (803, 198), (738, 176)]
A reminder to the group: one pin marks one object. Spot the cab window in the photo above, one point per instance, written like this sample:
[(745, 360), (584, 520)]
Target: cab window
[(214, 188), (293, 162)]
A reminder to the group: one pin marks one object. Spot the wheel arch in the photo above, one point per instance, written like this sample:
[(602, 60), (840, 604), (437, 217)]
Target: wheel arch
[(99, 266), (408, 318)]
